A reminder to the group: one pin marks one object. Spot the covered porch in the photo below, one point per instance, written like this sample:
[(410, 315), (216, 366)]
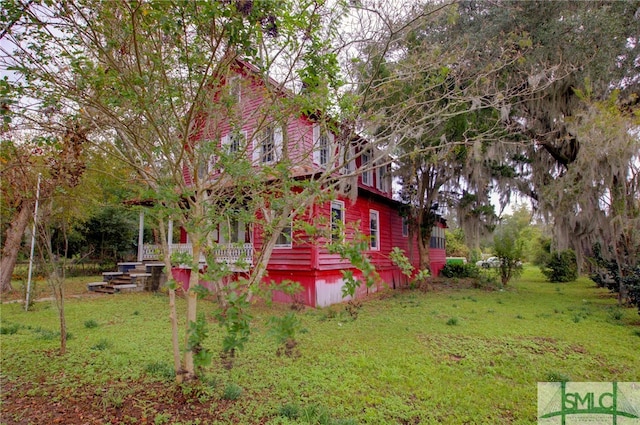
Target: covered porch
[(231, 254), (238, 256)]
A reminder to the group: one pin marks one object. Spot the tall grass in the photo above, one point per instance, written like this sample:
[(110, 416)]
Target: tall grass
[(403, 360)]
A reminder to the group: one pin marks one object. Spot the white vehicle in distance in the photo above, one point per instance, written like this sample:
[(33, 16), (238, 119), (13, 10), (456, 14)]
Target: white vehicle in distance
[(489, 263)]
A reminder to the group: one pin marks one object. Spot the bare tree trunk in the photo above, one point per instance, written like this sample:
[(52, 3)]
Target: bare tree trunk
[(173, 314), (59, 294), (423, 252), (12, 246), (192, 304), (424, 237), (173, 317)]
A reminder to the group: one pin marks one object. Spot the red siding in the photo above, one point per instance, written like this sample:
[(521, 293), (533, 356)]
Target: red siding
[(437, 257), (308, 261)]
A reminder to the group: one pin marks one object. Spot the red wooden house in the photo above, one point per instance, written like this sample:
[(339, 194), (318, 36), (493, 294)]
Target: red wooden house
[(368, 209)]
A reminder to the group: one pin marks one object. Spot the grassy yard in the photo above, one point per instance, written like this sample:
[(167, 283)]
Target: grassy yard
[(452, 356)]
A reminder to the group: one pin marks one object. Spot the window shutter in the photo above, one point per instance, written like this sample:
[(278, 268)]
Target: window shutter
[(225, 141), (255, 155), (277, 142), (316, 144), (213, 159)]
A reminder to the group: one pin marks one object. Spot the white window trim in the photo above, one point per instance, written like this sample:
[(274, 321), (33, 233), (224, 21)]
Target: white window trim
[(366, 165), (278, 138), (226, 141), (344, 212), (318, 132), (381, 179), (226, 229), (377, 238), (348, 161), (288, 245), (212, 161)]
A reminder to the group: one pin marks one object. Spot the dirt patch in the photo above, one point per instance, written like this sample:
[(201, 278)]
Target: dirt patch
[(117, 403)]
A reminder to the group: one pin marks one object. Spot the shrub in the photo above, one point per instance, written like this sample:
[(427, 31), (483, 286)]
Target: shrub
[(102, 345), (284, 330), (232, 392), (508, 248), (113, 398), (460, 271), (632, 283), (623, 278), (90, 324), (9, 329), (160, 369), (561, 266), (290, 411), (452, 321), (46, 334)]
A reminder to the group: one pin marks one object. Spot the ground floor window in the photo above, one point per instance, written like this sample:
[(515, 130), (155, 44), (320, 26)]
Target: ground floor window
[(337, 221), (437, 238), (374, 230), (285, 238)]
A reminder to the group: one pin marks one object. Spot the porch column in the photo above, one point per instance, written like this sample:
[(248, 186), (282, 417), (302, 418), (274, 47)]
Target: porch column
[(141, 236), (170, 235)]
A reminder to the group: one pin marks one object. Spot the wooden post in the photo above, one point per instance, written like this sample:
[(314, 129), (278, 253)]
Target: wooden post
[(141, 237)]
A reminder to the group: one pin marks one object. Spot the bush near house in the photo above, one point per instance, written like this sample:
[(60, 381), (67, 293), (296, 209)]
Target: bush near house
[(455, 270), (561, 266)]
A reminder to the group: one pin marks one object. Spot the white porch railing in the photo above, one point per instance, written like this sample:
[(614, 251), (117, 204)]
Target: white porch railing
[(231, 254)]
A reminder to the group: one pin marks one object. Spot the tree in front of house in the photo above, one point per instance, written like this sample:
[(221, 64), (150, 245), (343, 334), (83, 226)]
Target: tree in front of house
[(155, 83)]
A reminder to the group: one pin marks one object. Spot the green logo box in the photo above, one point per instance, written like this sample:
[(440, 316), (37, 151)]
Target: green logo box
[(589, 403)]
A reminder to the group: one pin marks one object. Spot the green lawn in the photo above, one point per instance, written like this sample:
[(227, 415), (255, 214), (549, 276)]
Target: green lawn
[(449, 356)]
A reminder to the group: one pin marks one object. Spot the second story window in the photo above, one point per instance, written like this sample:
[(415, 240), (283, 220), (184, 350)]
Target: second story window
[(267, 147), (322, 145), (234, 142), (367, 173), (324, 149), (382, 178), (348, 161)]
